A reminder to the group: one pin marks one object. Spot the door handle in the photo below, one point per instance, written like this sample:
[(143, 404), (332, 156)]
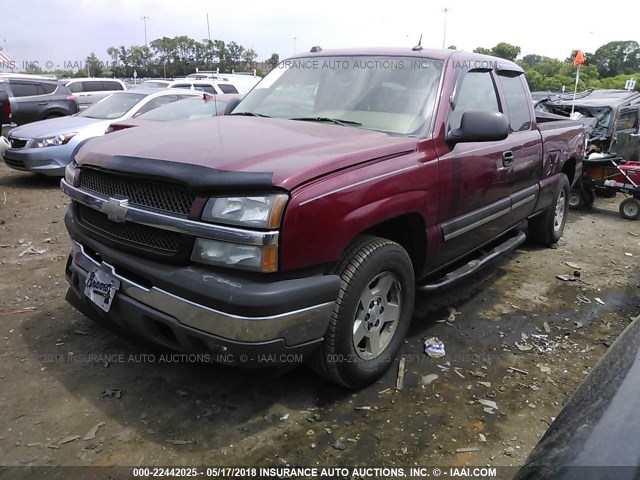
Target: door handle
[(43, 103), (507, 158)]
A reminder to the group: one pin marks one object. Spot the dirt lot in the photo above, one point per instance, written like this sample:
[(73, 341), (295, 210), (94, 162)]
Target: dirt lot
[(52, 393)]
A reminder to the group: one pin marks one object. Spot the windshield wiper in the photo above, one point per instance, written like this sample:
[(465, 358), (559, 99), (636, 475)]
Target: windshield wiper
[(251, 114), (337, 121)]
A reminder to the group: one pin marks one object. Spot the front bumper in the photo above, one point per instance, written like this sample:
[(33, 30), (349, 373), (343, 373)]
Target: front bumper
[(192, 309), (49, 161)]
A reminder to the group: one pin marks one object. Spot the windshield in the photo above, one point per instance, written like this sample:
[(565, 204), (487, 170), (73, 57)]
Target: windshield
[(113, 106), (390, 94), (186, 110)]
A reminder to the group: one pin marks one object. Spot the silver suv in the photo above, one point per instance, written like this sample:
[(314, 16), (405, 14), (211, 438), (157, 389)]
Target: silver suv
[(90, 90)]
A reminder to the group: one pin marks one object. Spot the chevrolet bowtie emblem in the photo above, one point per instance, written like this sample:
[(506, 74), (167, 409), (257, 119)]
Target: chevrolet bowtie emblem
[(115, 209)]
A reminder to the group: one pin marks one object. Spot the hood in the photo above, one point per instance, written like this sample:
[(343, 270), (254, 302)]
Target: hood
[(54, 126), (291, 152)]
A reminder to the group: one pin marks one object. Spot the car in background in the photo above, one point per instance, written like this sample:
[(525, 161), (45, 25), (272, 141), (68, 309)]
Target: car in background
[(204, 106), (32, 98), (155, 83), (208, 86), (242, 81), (91, 90), (47, 147)]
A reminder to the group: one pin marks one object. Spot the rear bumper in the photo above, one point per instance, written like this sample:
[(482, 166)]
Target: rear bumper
[(264, 318)]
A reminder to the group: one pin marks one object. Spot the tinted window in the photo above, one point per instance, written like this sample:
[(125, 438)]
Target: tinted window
[(46, 88), (22, 89), (156, 102), (226, 88), (92, 86), (628, 121), (107, 85), (517, 102), (205, 88), (181, 85), (476, 92)]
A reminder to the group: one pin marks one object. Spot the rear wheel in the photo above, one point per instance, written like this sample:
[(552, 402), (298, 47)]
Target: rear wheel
[(581, 198), (630, 209), (371, 316), (547, 227)]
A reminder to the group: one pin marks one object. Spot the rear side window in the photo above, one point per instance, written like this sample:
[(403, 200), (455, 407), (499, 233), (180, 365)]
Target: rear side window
[(92, 86), (24, 89), (46, 88), (107, 85), (181, 85), (627, 121), (476, 92), (226, 88), (517, 102), (205, 88)]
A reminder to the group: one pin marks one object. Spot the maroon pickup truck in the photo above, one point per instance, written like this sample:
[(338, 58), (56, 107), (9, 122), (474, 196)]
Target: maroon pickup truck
[(302, 225)]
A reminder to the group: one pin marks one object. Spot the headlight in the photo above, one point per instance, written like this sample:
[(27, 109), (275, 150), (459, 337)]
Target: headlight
[(244, 257), (71, 173), (53, 141), (264, 211)]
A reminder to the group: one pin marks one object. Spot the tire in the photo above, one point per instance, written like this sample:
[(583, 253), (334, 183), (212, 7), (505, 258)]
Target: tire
[(630, 209), (371, 316), (547, 227), (576, 200)]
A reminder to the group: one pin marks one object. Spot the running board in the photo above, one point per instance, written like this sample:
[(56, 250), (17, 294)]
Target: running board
[(474, 265)]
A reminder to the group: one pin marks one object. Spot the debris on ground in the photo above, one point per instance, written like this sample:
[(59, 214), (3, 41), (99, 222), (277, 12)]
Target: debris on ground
[(68, 439), (400, 379), (91, 434), (510, 451), (180, 442), (339, 445), (32, 250), (573, 265), (546, 326), (466, 450), (488, 403), (569, 278), (543, 368), (112, 392), (366, 407), (427, 379), (434, 347), (514, 369), (15, 312), (599, 300), (482, 437)]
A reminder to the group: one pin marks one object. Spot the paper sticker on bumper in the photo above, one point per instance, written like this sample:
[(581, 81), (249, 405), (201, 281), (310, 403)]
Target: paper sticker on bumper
[(101, 287)]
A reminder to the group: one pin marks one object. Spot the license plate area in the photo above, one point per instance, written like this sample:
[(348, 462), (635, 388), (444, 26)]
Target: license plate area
[(101, 287)]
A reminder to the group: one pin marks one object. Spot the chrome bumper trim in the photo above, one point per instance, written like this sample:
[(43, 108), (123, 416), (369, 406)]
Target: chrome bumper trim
[(294, 327), (172, 223)]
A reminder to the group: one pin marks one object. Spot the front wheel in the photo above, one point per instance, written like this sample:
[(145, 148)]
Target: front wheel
[(630, 209), (547, 227), (371, 316)]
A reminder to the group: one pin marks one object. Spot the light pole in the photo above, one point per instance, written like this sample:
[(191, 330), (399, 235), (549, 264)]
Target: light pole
[(444, 30), (144, 19), (208, 29), (294, 45)]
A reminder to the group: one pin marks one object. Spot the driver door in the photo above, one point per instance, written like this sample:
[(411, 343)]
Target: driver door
[(626, 138)]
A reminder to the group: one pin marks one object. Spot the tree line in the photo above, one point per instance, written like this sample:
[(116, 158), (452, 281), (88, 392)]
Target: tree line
[(168, 57), (610, 66)]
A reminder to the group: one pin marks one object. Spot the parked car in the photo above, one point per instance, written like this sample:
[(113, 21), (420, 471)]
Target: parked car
[(48, 146), (5, 109), (208, 86), (34, 98), (243, 82), (304, 222), (204, 106), (595, 436), (90, 90)]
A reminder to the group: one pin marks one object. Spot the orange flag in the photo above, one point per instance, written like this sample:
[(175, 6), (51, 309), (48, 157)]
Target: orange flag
[(579, 60)]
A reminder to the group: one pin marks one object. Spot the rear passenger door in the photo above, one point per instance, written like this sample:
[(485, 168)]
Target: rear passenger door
[(475, 207), (27, 104), (625, 141), (91, 93), (525, 144)]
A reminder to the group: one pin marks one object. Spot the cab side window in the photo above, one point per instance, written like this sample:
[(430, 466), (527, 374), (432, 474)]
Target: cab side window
[(475, 92), (517, 102), (627, 121)]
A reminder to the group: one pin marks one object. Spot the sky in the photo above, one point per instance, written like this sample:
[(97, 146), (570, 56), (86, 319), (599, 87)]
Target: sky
[(63, 32)]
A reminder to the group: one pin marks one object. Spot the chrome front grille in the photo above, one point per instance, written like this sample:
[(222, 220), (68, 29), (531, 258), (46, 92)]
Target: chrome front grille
[(166, 198), (134, 234)]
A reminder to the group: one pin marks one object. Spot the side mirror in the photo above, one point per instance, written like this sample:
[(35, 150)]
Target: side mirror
[(477, 126), (233, 103)]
